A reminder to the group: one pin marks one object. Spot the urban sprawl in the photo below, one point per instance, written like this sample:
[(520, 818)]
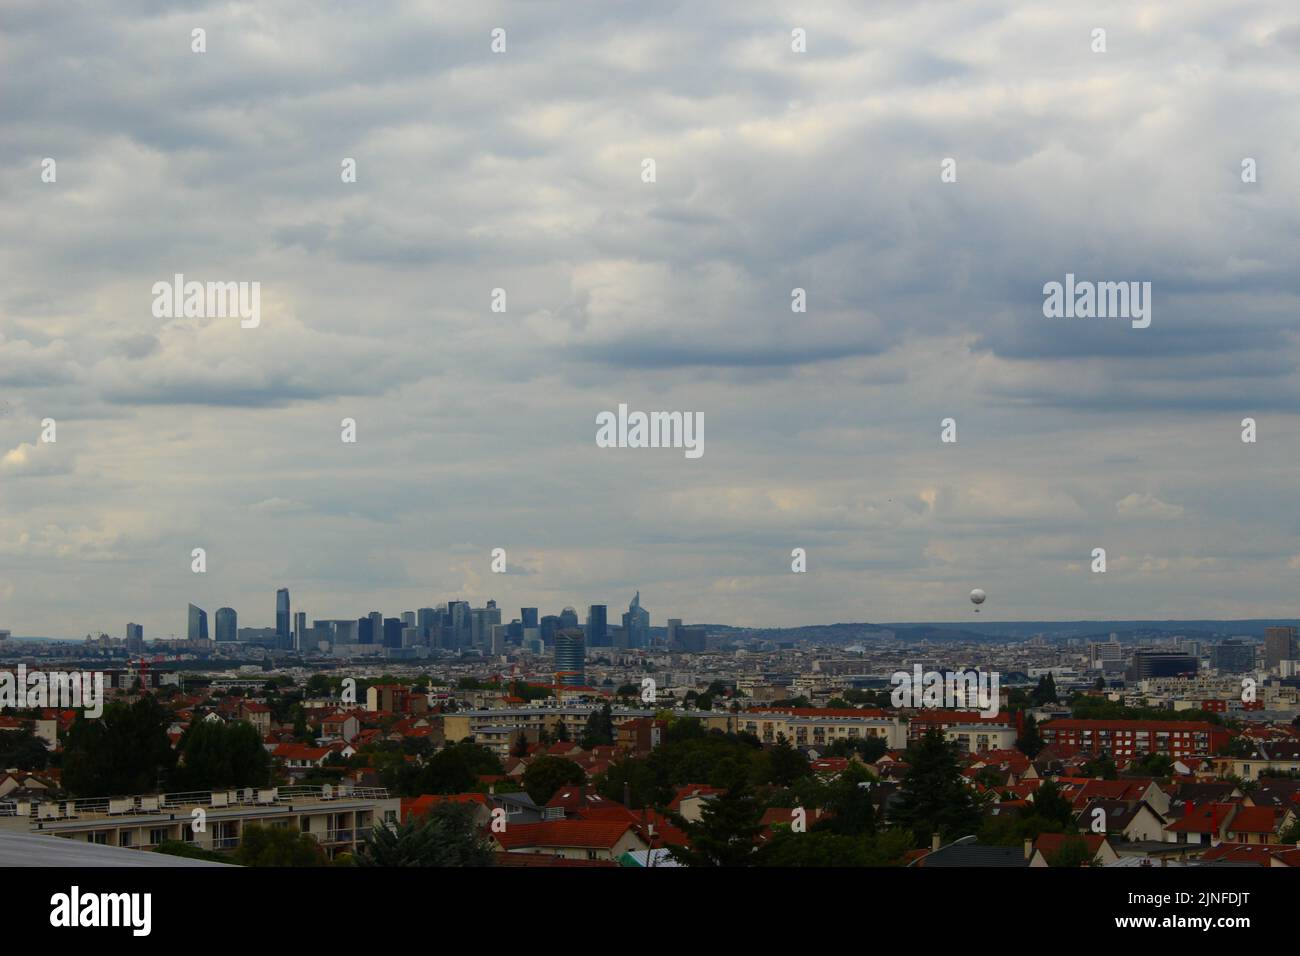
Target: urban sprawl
[(445, 736)]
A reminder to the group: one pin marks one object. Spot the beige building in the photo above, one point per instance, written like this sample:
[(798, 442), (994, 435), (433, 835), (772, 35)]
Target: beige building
[(338, 818), (498, 728), (811, 727)]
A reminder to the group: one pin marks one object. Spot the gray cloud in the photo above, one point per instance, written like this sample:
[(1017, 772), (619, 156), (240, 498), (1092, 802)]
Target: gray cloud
[(522, 171)]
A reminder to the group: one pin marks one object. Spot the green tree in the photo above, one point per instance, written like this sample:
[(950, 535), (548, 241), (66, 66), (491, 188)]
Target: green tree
[(520, 748), (446, 836), (785, 764), (724, 835), (1045, 692), (600, 728), (124, 751), (1051, 807), (933, 796), (635, 780), (215, 754), (1154, 765), (23, 750), (547, 774), (278, 846), (814, 848), (456, 768), (850, 804), (1102, 766), (868, 749), (1073, 852), (1029, 743)]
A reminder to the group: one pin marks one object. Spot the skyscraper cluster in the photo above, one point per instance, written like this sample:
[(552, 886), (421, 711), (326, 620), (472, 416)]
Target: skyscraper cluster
[(453, 626)]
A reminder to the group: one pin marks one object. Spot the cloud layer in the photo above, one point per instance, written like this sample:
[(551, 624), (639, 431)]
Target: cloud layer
[(521, 171)]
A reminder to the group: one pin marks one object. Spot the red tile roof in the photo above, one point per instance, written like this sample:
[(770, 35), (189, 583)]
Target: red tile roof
[(1254, 820), (588, 834)]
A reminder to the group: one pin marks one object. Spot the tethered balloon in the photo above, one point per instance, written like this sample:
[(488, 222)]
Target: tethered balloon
[(977, 598)]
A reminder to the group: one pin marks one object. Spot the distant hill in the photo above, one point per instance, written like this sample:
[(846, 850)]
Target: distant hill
[(1134, 631)]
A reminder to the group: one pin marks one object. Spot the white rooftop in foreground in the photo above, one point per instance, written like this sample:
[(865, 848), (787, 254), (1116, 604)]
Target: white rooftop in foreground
[(32, 849)]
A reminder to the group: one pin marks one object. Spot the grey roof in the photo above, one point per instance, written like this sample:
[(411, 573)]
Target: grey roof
[(966, 852), (30, 849)]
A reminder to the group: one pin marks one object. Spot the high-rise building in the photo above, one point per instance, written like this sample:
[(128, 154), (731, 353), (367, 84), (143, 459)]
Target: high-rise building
[(426, 618), (546, 632), (568, 619), (570, 657), (694, 638), (134, 638), (598, 625), (376, 627), (392, 632), (227, 625), (1100, 652), (1152, 663), (198, 624), (1279, 645), (1233, 656), (462, 624), (283, 636), (365, 631), (528, 617), (408, 619), (636, 622), (299, 630)]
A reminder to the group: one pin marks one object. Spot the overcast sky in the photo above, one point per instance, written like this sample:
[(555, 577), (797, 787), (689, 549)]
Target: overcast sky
[(523, 170)]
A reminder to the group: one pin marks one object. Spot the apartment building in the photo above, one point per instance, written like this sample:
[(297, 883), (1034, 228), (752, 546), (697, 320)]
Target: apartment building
[(498, 728), (1135, 738), (969, 730), (812, 726), (337, 817)]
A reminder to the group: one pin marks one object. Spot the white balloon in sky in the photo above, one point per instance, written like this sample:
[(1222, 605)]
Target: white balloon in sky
[(977, 596)]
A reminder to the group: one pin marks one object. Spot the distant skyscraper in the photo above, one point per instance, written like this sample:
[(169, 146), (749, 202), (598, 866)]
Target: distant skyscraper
[(134, 638), (299, 630), (283, 635), (227, 622), (1233, 656), (570, 657), (549, 625), (365, 631), (198, 624), (568, 619), (598, 625), (461, 624), (1279, 645), (392, 632), (636, 622)]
